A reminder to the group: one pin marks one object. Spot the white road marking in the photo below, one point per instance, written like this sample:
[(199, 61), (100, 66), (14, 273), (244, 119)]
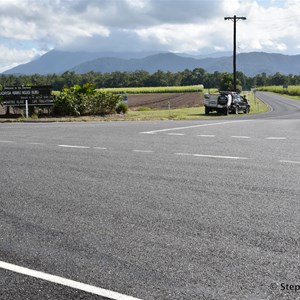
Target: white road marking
[(207, 135), (290, 161), (143, 151), (240, 137), (276, 138), (194, 126), (211, 156), (65, 282), (175, 133), (150, 132), (73, 146), (36, 144), (100, 148), (7, 141)]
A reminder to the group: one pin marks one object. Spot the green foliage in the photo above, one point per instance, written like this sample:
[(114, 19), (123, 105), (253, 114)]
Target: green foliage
[(71, 101), (158, 89), (122, 108), (103, 102), (290, 90), (34, 116), (226, 83), (140, 78), (63, 103), (84, 100)]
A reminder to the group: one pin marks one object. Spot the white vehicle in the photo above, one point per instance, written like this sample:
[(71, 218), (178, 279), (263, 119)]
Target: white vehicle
[(219, 102)]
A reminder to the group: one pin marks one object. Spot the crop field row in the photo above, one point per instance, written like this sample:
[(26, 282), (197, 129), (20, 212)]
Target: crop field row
[(160, 89), (292, 90)]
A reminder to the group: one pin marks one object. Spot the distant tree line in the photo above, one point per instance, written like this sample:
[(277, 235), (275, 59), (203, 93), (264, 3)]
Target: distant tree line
[(145, 79)]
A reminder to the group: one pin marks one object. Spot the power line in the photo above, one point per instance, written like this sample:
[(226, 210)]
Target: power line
[(234, 19)]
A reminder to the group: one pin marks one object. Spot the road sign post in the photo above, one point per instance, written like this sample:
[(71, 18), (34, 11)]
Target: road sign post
[(26, 108)]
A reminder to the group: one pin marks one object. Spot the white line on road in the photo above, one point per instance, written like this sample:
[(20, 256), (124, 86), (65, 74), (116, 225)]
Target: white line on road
[(73, 146), (149, 132), (290, 161), (211, 156), (143, 151), (100, 148), (36, 144), (65, 282), (276, 138), (7, 141), (194, 126), (240, 137), (207, 135), (175, 133)]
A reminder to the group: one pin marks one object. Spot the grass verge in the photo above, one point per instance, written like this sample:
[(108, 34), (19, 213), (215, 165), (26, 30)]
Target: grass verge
[(192, 113)]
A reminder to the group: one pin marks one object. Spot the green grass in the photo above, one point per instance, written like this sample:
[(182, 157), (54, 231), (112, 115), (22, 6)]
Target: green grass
[(292, 97), (292, 91), (194, 113), (256, 106)]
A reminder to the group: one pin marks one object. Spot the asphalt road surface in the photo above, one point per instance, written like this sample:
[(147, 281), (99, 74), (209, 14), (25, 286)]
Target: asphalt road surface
[(152, 210)]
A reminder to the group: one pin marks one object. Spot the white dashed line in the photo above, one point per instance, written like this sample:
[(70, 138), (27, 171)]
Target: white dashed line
[(73, 146), (7, 141), (175, 133), (66, 282), (100, 148), (290, 161), (211, 156), (240, 137), (207, 135), (36, 144), (276, 138), (143, 151)]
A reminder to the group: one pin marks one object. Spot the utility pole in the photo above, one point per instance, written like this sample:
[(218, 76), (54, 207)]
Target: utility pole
[(234, 19)]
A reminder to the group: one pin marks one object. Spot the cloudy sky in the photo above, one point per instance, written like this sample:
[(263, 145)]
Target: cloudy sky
[(32, 27)]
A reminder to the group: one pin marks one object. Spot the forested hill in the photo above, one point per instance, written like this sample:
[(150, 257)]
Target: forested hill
[(82, 62)]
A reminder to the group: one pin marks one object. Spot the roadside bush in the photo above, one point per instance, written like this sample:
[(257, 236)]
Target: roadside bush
[(63, 104), (103, 102), (77, 100), (122, 108)]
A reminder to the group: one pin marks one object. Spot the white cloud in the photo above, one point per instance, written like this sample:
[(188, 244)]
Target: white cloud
[(11, 57), (30, 27)]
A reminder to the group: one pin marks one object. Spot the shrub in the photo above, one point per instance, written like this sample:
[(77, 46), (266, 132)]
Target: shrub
[(63, 103), (79, 100), (103, 102), (34, 116), (122, 108)]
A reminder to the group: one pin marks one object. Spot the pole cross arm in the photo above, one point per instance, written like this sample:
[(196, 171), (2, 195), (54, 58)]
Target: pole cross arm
[(235, 18)]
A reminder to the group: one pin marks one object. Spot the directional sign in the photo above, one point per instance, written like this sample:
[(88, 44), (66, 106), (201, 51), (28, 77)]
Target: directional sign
[(34, 95)]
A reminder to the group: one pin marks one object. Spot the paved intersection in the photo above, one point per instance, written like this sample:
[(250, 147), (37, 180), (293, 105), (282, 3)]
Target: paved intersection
[(152, 210)]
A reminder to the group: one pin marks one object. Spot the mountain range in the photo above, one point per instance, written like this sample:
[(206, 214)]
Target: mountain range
[(250, 64)]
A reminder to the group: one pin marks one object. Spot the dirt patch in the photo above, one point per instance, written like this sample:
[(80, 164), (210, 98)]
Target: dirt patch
[(161, 101)]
